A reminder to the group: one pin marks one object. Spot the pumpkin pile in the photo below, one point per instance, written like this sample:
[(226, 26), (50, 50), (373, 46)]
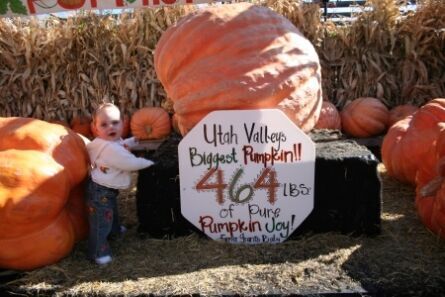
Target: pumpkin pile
[(42, 212), (363, 117), (144, 124), (413, 151), (238, 56), (329, 117)]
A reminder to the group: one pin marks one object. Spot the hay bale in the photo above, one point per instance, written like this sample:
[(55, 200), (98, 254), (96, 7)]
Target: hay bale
[(158, 197), (346, 197), (347, 189)]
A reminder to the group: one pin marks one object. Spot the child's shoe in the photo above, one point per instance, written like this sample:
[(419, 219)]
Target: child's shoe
[(103, 260)]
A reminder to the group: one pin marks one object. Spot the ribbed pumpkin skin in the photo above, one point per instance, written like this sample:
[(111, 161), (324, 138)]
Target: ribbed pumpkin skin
[(394, 153), (408, 142), (430, 176), (64, 145), (42, 213), (400, 112), (364, 117), (238, 56), (37, 249), (425, 203), (329, 117), (150, 123), (36, 188), (78, 212)]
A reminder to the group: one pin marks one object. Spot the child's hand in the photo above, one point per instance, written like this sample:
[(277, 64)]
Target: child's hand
[(130, 143)]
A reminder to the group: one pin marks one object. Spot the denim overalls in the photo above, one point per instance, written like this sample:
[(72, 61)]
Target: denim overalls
[(103, 218)]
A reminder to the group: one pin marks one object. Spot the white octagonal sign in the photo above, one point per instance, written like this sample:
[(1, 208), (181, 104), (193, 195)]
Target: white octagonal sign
[(246, 176)]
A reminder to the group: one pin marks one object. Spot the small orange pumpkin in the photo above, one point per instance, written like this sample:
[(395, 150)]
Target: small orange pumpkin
[(430, 187), (82, 125), (364, 117), (150, 123), (400, 112), (329, 117)]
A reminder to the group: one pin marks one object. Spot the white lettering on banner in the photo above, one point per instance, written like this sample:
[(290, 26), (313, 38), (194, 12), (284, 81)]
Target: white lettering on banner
[(35, 7)]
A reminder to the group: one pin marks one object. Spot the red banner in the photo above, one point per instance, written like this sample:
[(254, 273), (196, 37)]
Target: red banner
[(35, 7)]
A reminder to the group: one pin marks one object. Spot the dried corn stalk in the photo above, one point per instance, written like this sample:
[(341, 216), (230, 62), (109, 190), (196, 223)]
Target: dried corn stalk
[(61, 68)]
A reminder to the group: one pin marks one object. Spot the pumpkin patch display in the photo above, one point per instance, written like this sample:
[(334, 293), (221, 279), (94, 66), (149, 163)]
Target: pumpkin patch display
[(42, 213), (150, 123), (329, 117), (400, 112), (364, 117), (238, 56), (408, 142)]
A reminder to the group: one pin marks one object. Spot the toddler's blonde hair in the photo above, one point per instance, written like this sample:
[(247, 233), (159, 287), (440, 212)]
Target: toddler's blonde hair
[(102, 107)]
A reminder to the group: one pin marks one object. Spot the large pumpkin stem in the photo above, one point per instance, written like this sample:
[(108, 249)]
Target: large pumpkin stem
[(148, 130)]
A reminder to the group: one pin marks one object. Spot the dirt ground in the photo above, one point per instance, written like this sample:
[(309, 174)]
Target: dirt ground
[(404, 260)]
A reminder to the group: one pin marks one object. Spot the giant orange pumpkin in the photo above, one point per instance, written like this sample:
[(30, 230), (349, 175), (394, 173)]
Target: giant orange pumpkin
[(408, 142), (150, 123), (238, 56), (42, 213), (364, 117)]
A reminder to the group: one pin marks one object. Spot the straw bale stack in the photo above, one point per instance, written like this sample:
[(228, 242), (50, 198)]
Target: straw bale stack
[(60, 68)]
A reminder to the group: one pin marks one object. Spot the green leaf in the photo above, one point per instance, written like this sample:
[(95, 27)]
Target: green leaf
[(3, 7), (131, 1), (17, 6)]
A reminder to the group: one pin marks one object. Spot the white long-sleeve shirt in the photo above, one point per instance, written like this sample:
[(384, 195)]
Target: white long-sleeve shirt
[(112, 163)]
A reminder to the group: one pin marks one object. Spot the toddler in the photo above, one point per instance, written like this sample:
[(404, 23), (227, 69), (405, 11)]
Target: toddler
[(111, 164)]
